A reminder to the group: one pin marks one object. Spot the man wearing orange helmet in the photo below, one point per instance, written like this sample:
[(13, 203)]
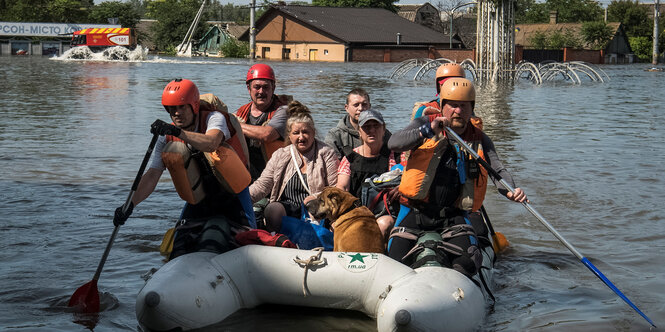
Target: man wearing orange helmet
[(263, 119), (444, 72), (184, 148), (442, 184)]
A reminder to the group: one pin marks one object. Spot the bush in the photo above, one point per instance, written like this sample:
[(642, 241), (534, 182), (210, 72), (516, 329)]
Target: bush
[(235, 49), (642, 47)]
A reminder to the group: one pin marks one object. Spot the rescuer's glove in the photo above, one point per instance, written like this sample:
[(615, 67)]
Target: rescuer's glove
[(119, 218), (160, 127)]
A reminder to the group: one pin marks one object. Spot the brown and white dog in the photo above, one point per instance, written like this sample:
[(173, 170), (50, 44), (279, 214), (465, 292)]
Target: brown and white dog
[(354, 225)]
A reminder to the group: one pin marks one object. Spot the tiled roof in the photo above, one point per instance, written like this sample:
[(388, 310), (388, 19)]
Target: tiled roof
[(359, 25)]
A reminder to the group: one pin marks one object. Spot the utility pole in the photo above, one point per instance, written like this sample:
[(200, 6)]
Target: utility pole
[(656, 14), (252, 31)]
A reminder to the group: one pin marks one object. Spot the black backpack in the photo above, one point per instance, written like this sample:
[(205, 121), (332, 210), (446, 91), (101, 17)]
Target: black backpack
[(374, 192)]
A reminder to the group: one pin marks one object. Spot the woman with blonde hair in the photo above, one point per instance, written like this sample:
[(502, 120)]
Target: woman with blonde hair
[(302, 168)]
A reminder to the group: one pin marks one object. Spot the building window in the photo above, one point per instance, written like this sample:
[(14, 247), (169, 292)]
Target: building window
[(325, 52), (264, 52), (286, 53)]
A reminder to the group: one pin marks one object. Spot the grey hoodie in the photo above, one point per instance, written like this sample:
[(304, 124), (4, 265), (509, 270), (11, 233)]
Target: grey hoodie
[(344, 138)]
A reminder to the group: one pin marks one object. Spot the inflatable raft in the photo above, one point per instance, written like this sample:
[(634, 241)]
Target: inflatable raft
[(201, 289)]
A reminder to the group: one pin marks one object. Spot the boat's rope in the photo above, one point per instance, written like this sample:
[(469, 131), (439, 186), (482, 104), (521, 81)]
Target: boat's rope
[(312, 262)]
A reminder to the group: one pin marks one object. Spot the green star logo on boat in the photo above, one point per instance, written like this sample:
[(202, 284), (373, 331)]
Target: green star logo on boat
[(357, 257)]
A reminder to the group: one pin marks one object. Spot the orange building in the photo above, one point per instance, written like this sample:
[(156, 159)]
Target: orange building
[(308, 33)]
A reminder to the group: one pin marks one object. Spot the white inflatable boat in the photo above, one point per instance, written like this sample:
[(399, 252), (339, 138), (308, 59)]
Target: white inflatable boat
[(201, 289)]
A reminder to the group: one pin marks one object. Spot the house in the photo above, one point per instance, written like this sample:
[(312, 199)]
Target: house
[(423, 14), (463, 27), (309, 33), (617, 50)]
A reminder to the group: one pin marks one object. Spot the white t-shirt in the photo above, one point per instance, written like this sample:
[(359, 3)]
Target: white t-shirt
[(216, 120)]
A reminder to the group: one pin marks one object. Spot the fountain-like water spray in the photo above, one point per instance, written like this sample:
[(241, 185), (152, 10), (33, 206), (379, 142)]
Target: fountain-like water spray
[(115, 53)]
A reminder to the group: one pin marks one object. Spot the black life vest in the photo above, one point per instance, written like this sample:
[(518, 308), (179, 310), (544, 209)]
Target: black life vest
[(366, 167)]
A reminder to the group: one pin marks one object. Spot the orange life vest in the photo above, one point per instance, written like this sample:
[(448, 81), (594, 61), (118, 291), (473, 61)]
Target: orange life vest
[(424, 160), (268, 148), (228, 163)]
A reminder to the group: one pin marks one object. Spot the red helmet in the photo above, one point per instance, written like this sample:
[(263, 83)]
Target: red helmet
[(262, 71), (181, 92)]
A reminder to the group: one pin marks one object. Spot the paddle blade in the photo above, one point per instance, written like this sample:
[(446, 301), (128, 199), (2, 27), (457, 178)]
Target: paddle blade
[(500, 243), (86, 298)]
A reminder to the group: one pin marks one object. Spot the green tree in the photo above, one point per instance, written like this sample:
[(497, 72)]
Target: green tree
[(528, 11), (596, 34), (139, 6), (66, 11), (568, 11), (235, 49), (228, 12), (69, 11), (633, 16), (173, 20), (387, 4), (642, 47), (538, 40), (560, 39), (126, 13)]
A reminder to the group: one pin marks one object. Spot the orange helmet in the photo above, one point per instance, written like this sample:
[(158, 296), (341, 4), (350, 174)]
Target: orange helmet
[(181, 92), (446, 71), (457, 89), (261, 71)]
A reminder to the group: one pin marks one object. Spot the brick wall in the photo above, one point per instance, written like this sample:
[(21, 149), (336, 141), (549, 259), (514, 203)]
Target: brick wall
[(401, 54), (589, 56), (387, 54), (454, 54), (367, 55)]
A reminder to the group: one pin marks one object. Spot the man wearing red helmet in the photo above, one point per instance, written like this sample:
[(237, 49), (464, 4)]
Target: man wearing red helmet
[(193, 134), (263, 119)]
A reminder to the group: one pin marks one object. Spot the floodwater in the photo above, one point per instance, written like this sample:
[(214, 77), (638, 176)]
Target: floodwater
[(591, 158)]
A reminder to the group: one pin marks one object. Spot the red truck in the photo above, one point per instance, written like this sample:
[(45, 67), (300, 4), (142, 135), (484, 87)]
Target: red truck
[(101, 38)]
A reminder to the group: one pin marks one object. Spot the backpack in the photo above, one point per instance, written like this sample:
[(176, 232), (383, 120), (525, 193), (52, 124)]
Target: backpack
[(375, 190)]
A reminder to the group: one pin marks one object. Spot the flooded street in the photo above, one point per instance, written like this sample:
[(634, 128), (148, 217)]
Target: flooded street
[(590, 157)]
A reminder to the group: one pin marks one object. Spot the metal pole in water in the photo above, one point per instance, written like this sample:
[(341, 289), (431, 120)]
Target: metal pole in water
[(252, 31), (656, 14)]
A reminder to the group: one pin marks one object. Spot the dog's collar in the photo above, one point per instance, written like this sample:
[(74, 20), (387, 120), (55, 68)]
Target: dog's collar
[(356, 204)]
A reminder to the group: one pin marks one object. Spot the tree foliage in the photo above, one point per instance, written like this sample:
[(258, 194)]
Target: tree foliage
[(229, 12), (642, 47), (597, 34), (555, 40), (568, 11), (57, 11), (173, 20), (633, 16), (387, 4), (127, 14), (235, 49)]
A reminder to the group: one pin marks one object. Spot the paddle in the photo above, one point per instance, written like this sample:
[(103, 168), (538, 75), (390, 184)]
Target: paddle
[(86, 297), (547, 225), (499, 241)]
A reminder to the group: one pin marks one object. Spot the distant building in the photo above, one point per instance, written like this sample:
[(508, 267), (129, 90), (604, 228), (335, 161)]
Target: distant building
[(309, 33), (30, 38), (617, 50), (464, 28), (423, 14)]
